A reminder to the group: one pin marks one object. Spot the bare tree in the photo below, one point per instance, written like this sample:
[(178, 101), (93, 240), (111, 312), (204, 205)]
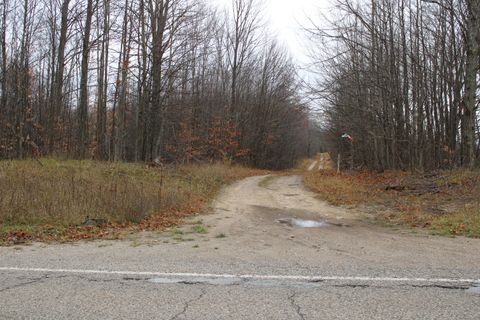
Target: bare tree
[(471, 72), (401, 79), (56, 102), (102, 84), (242, 38), (83, 138), (170, 79)]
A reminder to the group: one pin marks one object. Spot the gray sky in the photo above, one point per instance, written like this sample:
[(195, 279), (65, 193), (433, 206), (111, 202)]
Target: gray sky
[(285, 18)]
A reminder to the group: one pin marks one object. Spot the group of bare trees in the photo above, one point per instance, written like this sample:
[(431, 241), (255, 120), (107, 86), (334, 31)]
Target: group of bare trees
[(138, 80), (401, 78)]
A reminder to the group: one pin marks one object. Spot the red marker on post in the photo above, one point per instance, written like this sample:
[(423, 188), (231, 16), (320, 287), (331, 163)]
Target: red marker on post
[(347, 136)]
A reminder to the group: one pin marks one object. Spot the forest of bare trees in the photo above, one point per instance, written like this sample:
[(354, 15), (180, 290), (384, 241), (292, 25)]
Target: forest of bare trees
[(182, 81), (136, 80), (399, 82)]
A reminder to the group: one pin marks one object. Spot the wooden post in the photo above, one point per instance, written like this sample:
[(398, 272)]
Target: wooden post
[(351, 155), (338, 163)]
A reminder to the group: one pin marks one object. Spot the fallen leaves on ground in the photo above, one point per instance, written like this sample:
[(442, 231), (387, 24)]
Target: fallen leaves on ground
[(445, 202), (189, 191)]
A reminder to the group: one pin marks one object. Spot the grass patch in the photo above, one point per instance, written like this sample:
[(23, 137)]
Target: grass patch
[(265, 182), (322, 161), (463, 222), (340, 189), (220, 236), (178, 237), (445, 202), (50, 198), (200, 229), (177, 231)]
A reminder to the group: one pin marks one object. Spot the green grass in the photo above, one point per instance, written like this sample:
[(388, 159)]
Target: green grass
[(177, 231), (463, 222), (265, 182), (178, 237), (200, 229)]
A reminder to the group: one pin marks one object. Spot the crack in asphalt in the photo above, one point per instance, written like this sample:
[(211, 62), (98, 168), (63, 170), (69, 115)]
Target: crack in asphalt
[(316, 281), (191, 283), (134, 279), (439, 286), (23, 284), (353, 286), (188, 303), (90, 279), (30, 282), (238, 283), (421, 286), (242, 282), (295, 305), (321, 282)]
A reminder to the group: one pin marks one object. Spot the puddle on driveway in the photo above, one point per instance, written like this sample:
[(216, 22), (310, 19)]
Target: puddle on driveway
[(301, 223)]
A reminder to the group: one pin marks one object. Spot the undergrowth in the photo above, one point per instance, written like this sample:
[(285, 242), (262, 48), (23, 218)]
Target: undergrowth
[(50, 198), (444, 202)]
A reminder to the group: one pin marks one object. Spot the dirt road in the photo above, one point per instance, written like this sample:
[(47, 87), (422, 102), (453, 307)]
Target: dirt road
[(249, 211), (252, 257)]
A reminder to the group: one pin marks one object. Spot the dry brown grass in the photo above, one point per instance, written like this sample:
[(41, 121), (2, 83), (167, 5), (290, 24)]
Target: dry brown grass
[(61, 194), (337, 189), (321, 158), (444, 202)]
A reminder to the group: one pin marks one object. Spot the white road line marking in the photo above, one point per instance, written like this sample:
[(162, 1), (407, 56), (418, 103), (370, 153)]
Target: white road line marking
[(244, 276)]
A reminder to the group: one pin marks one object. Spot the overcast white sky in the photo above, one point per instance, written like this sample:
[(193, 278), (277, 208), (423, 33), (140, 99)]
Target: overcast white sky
[(286, 17)]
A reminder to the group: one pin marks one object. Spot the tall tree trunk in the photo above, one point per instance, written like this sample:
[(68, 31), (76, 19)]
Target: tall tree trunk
[(119, 142), (82, 143), (23, 84), (160, 43), (471, 70), (3, 44), (140, 118), (56, 103), (101, 126)]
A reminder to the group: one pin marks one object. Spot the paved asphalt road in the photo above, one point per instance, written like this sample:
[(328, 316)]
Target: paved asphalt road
[(254, 263)]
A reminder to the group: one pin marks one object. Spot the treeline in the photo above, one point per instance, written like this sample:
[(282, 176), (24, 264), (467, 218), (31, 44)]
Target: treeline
[(138, 80), (400, 77)]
